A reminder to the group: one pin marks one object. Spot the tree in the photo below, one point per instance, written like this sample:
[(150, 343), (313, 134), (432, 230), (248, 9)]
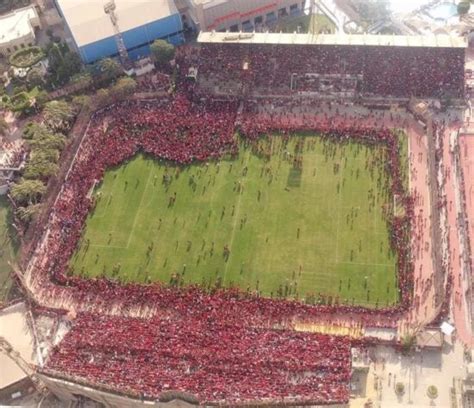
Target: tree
[(80, 102), (71, 66), (32, 129), (35, 77), (47, 141), (123, 88), (27, 192), (4, 128), (46, 154), (372, 11), (400, 388), (41, 98), (109, 69), (41, 165), (58, 114), (102, 97), (26, 214), (408, 343), (21, 102), (63, 63), (432, 392), (463, 7), (162, 52)]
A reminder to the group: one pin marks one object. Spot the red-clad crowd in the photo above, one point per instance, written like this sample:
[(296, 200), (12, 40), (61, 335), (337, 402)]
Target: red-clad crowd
[(203, 343), (182, 131), (214, 362), (377, 70)]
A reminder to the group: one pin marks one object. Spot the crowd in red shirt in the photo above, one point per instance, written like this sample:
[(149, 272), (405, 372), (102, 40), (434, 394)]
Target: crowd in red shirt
[(214, 362), (381, 70), (218, 345)]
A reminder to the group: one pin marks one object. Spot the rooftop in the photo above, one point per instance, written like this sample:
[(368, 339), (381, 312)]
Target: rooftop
[(89, 23), (17, 24), (209, 3), (334, 39), (15, 330)]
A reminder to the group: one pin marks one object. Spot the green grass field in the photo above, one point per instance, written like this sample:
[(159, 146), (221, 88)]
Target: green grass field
[(290, 230)]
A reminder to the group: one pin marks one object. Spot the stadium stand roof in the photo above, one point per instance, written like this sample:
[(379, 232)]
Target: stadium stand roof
[(89, 23), (446, 41)]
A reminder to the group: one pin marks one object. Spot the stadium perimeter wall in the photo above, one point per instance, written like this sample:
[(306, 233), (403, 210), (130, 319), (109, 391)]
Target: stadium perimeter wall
[(70, 391)]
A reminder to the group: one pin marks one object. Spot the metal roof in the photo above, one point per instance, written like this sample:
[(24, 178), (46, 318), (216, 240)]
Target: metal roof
[(89, 23), (334, 39)]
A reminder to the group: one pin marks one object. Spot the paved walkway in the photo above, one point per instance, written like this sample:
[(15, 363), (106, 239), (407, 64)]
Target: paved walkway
[(417, 373)]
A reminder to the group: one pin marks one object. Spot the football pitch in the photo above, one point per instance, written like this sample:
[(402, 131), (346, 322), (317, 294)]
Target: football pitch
[(289, 218)]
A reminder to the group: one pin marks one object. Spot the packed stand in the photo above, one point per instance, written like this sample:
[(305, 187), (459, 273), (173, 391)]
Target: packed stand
[(378, 70), (216, 363)]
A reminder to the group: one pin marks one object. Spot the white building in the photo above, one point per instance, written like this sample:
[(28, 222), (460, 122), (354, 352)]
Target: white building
[(235, 15), (17, 30)]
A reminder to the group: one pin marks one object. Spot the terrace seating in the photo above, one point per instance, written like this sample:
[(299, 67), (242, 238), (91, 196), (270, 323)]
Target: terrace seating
[(385, 71), (214, 362)]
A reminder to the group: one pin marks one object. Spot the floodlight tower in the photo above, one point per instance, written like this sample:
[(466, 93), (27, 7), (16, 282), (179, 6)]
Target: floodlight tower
[(27, 368), (109, 8)]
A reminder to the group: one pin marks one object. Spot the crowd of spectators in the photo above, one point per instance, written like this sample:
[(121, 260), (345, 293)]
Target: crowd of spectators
[(182, 131), (157, 81), (377, 70), (219, 344), (214, 362)]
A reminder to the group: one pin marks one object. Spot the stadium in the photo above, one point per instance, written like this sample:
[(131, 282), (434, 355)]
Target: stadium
[(232, 243)]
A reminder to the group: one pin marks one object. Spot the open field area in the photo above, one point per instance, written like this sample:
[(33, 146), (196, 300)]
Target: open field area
[(287, 219)]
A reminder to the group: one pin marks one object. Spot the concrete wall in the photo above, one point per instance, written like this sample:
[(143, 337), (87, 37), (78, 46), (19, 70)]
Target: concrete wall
[(69, 391), (136, 40)]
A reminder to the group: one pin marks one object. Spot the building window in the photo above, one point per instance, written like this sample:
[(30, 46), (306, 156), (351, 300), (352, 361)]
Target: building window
[(22, 45), (258, 20), (15, 48), (234, 28), (271, 17), (9, 50), (282, 12)]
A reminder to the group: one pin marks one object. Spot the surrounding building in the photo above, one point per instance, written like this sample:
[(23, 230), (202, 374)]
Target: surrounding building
[(137, 23), (17, 30), (235, 15)]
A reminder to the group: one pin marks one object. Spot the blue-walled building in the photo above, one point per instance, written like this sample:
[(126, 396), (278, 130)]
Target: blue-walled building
[(140, 23)]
